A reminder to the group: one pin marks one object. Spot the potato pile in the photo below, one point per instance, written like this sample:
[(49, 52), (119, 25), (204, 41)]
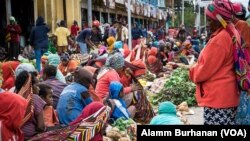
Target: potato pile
[(122, 130)]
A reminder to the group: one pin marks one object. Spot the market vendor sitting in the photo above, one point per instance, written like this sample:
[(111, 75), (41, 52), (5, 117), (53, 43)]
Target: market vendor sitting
[(118, 104), (166, 115), (110, 72), (153, 61), (67, 65), (75, 97)]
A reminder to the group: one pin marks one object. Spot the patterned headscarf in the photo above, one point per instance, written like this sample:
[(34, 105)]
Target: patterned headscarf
[(54, 59), (27, 92), (24, 67), (115, 61), (224, 8)]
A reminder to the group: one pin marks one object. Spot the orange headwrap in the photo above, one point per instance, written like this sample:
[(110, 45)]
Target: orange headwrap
[(140, 64), (110, 41), (153, 51)]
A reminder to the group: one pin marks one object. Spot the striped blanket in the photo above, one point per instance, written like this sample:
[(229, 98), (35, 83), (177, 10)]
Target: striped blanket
[(82, 131)]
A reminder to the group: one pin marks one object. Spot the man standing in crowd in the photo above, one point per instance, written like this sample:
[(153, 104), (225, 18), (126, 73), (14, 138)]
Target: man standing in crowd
[(122, 33), (106, 33), (13, 34), (74, 29), (85, 37), (136, 35), (62, 33), (112, 29), (39, 40), (182, 33)]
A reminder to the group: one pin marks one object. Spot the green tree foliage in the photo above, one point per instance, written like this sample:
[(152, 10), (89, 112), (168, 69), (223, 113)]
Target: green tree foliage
[(189, 14)]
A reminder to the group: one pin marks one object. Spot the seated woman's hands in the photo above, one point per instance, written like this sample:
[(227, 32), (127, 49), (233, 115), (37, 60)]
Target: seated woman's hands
[(136, 87)]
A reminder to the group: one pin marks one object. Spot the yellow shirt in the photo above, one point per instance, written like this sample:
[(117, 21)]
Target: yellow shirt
[(62, 33)]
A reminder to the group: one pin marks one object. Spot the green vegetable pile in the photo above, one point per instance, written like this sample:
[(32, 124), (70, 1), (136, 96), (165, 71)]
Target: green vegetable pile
[(149, 77), (27, 61), (122, 124), (178, 88)]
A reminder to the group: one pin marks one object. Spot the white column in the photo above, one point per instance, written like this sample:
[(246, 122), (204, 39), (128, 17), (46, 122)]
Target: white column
[(90, 13), (205, 20), (53, 18), (35, 10), (182, 8), (199, 19), (8, 10), (80, 14), (45, 10), (109, 21), (129, 26), (73, 7)]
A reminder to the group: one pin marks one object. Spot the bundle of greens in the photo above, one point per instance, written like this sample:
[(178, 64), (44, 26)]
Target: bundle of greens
[(122, 124), (149, 77), (178, 88)]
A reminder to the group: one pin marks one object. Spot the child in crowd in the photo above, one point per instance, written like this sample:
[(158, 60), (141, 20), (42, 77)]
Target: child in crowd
[(49, 114), (118, 104)]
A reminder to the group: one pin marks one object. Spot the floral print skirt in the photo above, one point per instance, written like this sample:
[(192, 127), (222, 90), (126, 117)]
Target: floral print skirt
[(243, 111), (219, 116)]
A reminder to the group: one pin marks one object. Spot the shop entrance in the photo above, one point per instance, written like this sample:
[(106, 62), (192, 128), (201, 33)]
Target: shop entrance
[(23, 11), (3, 22)]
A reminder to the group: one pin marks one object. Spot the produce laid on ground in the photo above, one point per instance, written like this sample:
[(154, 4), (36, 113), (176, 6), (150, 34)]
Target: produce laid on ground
[(149, 77), (79, 58), (178, 88), (121, 130), (174, 86), (25, 60), (157, 85), (182, 110)]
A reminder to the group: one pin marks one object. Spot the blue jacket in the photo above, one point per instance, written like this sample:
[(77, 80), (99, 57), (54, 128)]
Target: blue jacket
[(38, 36), (71, 103)]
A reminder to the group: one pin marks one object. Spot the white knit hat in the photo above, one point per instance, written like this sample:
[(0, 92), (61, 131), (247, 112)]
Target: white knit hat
[(12, 18)]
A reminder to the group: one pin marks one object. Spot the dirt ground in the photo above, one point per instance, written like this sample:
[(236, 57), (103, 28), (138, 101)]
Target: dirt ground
[(197, 118)]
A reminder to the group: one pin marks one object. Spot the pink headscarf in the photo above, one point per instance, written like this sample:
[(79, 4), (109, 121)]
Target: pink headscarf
[(222, 7), (102, 50)]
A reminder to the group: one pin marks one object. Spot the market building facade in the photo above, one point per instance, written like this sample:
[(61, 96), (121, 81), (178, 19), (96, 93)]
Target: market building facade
[(151, 13)]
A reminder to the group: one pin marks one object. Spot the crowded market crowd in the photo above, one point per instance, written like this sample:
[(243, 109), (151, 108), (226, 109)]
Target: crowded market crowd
[(83, 81)]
